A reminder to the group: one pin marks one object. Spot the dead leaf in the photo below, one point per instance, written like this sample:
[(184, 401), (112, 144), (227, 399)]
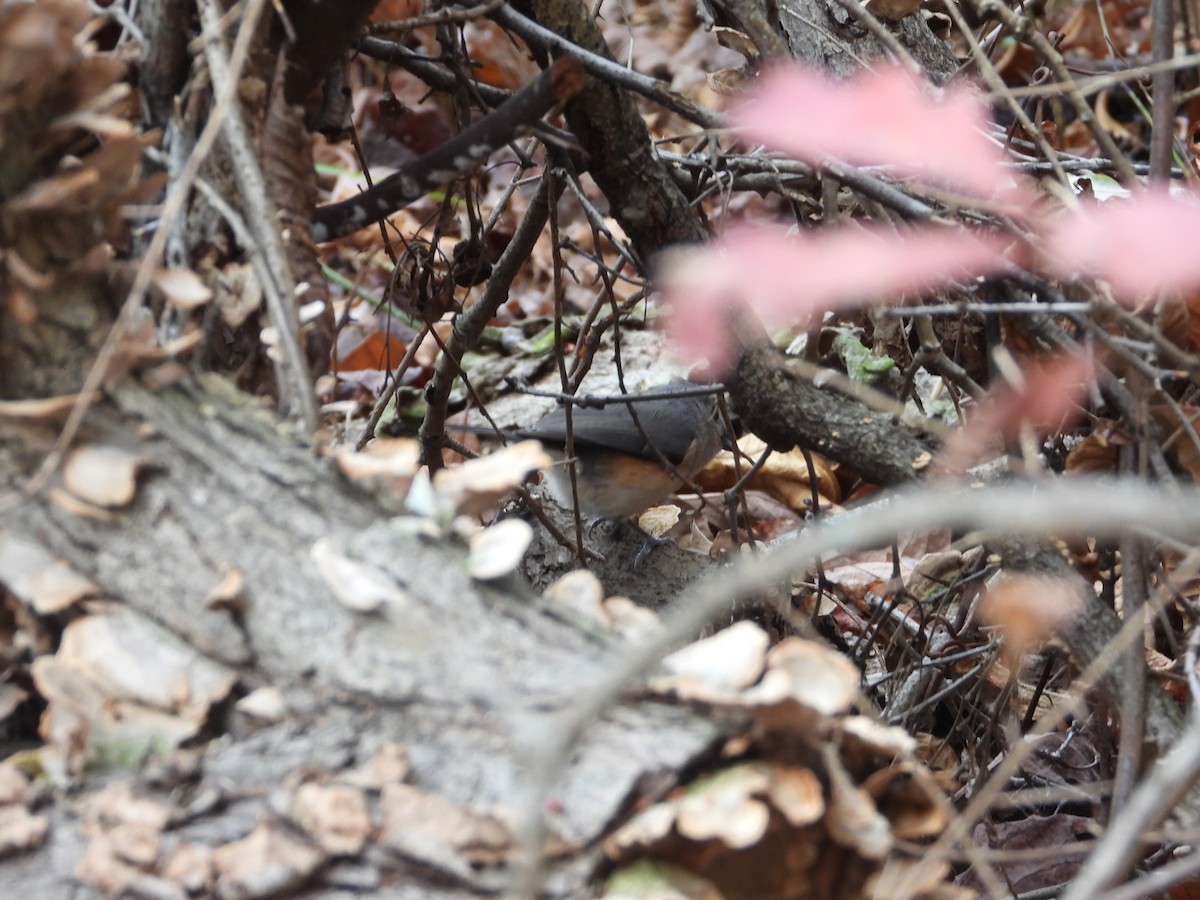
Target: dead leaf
[(436, 832), (43, 583), (182, 287), (853, 821), (581, 592), (129, 657), (20, 830), (726, 807), (658, 520), (356, 585), (391, 462), (190, 865), (717, 667), (477, 485), (335, 816), (1029, 609), (388, 765), (265, 863), (44, 409), (103, 476), (498, 549), (784, 476), (797, 793)]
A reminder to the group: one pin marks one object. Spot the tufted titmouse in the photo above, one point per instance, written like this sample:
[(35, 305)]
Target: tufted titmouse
[(620, 467)]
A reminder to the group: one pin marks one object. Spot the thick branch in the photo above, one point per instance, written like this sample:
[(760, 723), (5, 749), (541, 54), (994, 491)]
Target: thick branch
[(620, 157)]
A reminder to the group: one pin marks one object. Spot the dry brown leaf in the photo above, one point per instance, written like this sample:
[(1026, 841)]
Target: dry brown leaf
[(784, 476), (727, 807), (388, 765), (116, 804), (581, 592), (103, 476), (658, 520), (125, 839), (183, 288), (266, 704), (43, 583), (101, 869), (797, 793), (128, 657), (391, 462), (853, 821), (434, 831), (1098, 451), (719, 667), (44, 409), (20, 830), (335, 816), (477, 485), (356, 585), (1036, 872), (498, 550), (1029, 609), (190, 866), (265, 863)]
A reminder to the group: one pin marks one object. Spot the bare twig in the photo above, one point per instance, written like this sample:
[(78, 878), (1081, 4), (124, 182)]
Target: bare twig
[(453, 159), (1026, 29), (292, 372), (1166, 784), (443, 16), (606, 69), (1162, 137)]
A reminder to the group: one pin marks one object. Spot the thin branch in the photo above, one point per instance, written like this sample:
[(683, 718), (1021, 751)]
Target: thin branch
[(1162, 137), (606, 69), (279, 290), (453, 159)]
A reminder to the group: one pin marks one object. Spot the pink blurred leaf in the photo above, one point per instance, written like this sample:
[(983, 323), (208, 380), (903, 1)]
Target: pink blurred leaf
[(1050, 394), (886, 116), (785, 278), (1140, 246)]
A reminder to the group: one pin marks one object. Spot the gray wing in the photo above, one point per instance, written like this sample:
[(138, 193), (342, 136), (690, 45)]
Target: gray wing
[(671, 421)]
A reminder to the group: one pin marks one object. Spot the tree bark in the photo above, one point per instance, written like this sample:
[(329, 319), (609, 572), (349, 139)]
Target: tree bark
[(457, 674)]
